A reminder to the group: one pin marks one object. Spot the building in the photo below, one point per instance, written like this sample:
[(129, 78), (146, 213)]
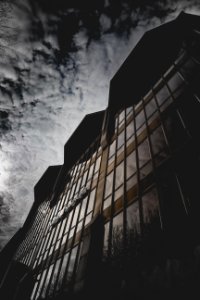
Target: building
[(120, 217)]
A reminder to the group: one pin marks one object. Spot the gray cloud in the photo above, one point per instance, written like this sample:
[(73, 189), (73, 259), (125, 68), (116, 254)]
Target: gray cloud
[(55, 65)]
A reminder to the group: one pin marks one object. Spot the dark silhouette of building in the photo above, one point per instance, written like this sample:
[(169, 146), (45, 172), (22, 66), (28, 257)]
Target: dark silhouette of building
[(120, 218)]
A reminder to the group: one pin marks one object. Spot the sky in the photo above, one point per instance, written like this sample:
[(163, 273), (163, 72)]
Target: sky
[(56, 60)]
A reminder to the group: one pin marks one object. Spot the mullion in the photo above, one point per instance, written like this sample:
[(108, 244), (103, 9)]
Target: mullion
[(37, 235), (42, 268), (43, 249), (153, 164), (69, 256), (138, 173), (76, 172), (29, 236), (47, 261), (113, 192), (62, 258), (84, 218)]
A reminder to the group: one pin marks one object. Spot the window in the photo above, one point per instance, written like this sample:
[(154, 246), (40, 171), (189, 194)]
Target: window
[(150, 205), (120, 140), (129, 130), (130, 164), (119, 175), (157, 140), (109, 183), (91, 200), (117, 235), (133, 220), (112, 149), (140, 119), (143, 153), (150, 108)]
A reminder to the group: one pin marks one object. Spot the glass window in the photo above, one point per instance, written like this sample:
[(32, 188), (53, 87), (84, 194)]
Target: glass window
[(117, 235), (162, 95), (143, 153), (75, 215), (140, 119), (175, 81), (175, 131), (47, 281), (130, 164), (131, 182), (187, 70), (84, 179), (71, 264), (90, 171), (107, 202), (121, 116), (133, 220), (62, 271), (119, 175), (157, 140), (106, 237), (112, 148), (150, 107), (119, 192), (129, 110), (120, 140), (91, 200), (97, 165), (109, 184), (129, 130), (146, 169), (82, 212), (150, 205)]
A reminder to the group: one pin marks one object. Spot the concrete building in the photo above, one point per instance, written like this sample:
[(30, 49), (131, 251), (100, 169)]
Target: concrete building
[(120, 217)]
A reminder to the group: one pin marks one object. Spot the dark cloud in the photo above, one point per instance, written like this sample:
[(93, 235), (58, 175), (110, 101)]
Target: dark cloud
[(56, 60)]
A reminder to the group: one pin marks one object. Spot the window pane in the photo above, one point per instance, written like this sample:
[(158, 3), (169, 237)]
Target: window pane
[(119, 176), (71, 264), (130, 164), (133, 220), (162, 95), (112, 148), (91, 201), (139, 119), (174, 82), (129, 130), (157, 140), (121, 116), (117, 235), (150, 107), (150, 206), (120, 140), (109, 183), (62, 271), (143, 153)]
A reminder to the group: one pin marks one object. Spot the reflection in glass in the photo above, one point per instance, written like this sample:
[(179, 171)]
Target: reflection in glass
[(157, 140), (62, 271), (130, 164), (119, 192), (150, 205), (150, 107), (143, 153), (117, 234), (71, 264), (112, 148), (140, 119), (162, 95), (109, 183), (133, 220), (91, 200), (119, 176), (175, 81), (120, 140), (129, 130)]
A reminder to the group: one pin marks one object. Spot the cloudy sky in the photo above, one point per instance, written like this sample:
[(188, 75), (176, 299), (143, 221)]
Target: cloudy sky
[(56, 60)]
